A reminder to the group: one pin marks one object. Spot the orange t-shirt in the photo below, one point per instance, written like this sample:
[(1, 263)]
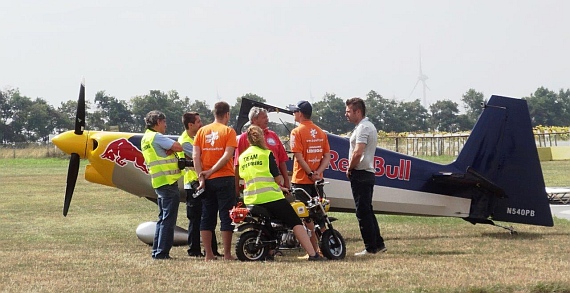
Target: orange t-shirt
[(212, 140), (312, 142)]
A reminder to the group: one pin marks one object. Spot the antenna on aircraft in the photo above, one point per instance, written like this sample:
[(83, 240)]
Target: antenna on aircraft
[(421, 78)]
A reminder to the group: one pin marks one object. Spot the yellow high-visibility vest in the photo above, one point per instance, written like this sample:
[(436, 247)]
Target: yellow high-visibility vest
[(260, 186), (189, 175), (162, 170)]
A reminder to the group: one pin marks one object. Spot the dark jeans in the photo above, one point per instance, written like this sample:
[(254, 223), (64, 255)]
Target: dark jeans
[(362, 185), (168, 202), (194, 214), (219, 196)]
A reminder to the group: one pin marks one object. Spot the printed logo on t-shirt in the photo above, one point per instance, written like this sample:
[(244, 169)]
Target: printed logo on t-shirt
[(271, 141), (313, 132), (212, 137)]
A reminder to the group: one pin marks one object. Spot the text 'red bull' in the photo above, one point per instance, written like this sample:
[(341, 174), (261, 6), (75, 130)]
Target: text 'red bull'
[(122, 151), (400, 172)]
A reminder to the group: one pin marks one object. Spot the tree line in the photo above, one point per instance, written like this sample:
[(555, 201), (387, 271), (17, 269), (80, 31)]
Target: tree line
[(24, 119)]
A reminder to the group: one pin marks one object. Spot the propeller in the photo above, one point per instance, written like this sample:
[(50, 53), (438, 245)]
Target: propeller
[(73, 168)]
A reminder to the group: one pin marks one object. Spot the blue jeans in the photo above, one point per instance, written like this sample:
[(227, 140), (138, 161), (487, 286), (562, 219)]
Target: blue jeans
[(168, 202), (194, 214), (219, 195), (362, 185)]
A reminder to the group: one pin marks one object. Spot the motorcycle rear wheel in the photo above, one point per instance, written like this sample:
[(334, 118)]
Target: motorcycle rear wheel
[(248, 250), (332, 245)]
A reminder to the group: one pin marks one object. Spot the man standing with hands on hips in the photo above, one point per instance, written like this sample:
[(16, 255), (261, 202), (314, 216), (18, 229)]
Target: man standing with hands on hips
[(360, 172)]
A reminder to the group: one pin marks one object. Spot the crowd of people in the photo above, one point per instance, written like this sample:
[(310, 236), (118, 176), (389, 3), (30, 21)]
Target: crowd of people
[(220, 160)]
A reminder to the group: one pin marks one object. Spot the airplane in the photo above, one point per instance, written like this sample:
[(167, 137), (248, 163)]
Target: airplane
[(496, 177)]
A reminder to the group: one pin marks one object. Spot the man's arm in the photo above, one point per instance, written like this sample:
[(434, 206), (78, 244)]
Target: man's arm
[(197, 157), (356, 157), (285, 173), (323, 165), (302, 163), (228, 154), (188, 149)]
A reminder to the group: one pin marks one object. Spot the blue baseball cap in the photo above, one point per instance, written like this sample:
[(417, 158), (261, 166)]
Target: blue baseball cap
[(303, 107)]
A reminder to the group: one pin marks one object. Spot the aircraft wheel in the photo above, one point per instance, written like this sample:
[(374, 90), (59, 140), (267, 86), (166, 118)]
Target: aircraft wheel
[(248, 250), (332, 245)]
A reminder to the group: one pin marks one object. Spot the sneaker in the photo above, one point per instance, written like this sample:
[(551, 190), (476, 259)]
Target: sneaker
[(366, 252), (316, 257), (363, 253)]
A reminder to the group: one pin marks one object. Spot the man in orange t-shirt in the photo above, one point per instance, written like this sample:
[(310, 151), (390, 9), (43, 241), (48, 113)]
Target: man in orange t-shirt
[(214, 147), (311, 149)]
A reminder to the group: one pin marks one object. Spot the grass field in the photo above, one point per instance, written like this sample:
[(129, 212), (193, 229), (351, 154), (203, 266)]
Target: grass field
[(95, 249)]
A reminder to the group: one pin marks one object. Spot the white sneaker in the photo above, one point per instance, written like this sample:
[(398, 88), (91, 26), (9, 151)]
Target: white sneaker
[(363, 253), (366, 252)]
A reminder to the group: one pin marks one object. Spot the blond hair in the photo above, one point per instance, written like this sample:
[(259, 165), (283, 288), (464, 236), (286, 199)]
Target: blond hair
[(255, 136)]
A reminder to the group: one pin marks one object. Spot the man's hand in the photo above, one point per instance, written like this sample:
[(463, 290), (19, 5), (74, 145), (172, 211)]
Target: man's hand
[(206, 174)]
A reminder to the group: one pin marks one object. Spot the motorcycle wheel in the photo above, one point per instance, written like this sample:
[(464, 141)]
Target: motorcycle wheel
[(248, 250), (332, 245)]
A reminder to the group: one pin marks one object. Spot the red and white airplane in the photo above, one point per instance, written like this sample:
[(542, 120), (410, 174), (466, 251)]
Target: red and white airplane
[(496, 177)]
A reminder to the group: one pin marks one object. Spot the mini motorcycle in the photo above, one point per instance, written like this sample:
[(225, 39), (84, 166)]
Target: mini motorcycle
[(262, 234)]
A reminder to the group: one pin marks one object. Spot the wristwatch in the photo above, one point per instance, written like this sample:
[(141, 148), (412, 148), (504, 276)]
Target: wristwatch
[(311, 174)]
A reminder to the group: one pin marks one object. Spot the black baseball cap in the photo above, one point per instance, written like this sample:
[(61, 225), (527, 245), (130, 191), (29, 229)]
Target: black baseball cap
[(303, 107)]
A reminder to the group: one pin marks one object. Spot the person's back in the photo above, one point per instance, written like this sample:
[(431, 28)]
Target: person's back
[(214, 147), (312, 143), (213, 139)]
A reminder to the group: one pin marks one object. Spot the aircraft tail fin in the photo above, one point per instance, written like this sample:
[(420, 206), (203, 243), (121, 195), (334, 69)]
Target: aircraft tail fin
[(501, 151)]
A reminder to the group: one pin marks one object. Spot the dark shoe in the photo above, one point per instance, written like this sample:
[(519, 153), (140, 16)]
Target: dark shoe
[(195, 254), (269, 257), (162, 257), (218, 254), (382, 249), (316, 257)]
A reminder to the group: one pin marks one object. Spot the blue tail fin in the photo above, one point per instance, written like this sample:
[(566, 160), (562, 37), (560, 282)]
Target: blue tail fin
[(502, 151)]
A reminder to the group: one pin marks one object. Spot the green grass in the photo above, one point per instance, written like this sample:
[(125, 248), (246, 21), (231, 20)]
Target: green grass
[(95, 249)]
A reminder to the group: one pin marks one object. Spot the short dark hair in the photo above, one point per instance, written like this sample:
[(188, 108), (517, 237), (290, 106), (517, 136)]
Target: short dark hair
[(220, 109), (357, 104), (151, 119), (189, 117)]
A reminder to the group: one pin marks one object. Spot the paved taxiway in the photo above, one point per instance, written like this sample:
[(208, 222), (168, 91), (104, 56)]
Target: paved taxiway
[(561, 211)]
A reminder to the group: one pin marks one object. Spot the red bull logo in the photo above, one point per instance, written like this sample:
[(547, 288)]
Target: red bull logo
[(400, 172), (122, 151)]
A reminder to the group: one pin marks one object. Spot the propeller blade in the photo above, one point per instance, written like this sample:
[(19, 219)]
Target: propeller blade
[(72, 172), (80, 116)]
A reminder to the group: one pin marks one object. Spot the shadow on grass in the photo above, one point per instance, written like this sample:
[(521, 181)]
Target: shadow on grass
[(521, 235)]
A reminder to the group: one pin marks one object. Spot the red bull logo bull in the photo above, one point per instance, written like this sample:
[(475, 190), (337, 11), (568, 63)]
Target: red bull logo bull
[(122, 151), (400, 172)]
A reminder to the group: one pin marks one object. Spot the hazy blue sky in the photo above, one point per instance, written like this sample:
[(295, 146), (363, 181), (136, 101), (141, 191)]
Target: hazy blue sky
[(283, 50)]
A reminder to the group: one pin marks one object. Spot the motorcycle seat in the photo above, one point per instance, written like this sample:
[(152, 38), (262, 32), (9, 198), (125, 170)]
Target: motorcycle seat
[(258, 211)]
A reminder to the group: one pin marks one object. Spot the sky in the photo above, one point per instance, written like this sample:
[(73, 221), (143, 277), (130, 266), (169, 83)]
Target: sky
[(284, 51)]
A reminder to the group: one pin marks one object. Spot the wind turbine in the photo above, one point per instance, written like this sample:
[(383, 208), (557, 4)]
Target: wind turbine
[(421, 77)]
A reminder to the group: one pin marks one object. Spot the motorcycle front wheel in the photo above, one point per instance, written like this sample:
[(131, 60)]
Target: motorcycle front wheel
[(248, 250), (332, 245)]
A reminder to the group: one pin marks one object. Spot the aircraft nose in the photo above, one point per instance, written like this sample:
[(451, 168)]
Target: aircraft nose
[(70, 143)]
